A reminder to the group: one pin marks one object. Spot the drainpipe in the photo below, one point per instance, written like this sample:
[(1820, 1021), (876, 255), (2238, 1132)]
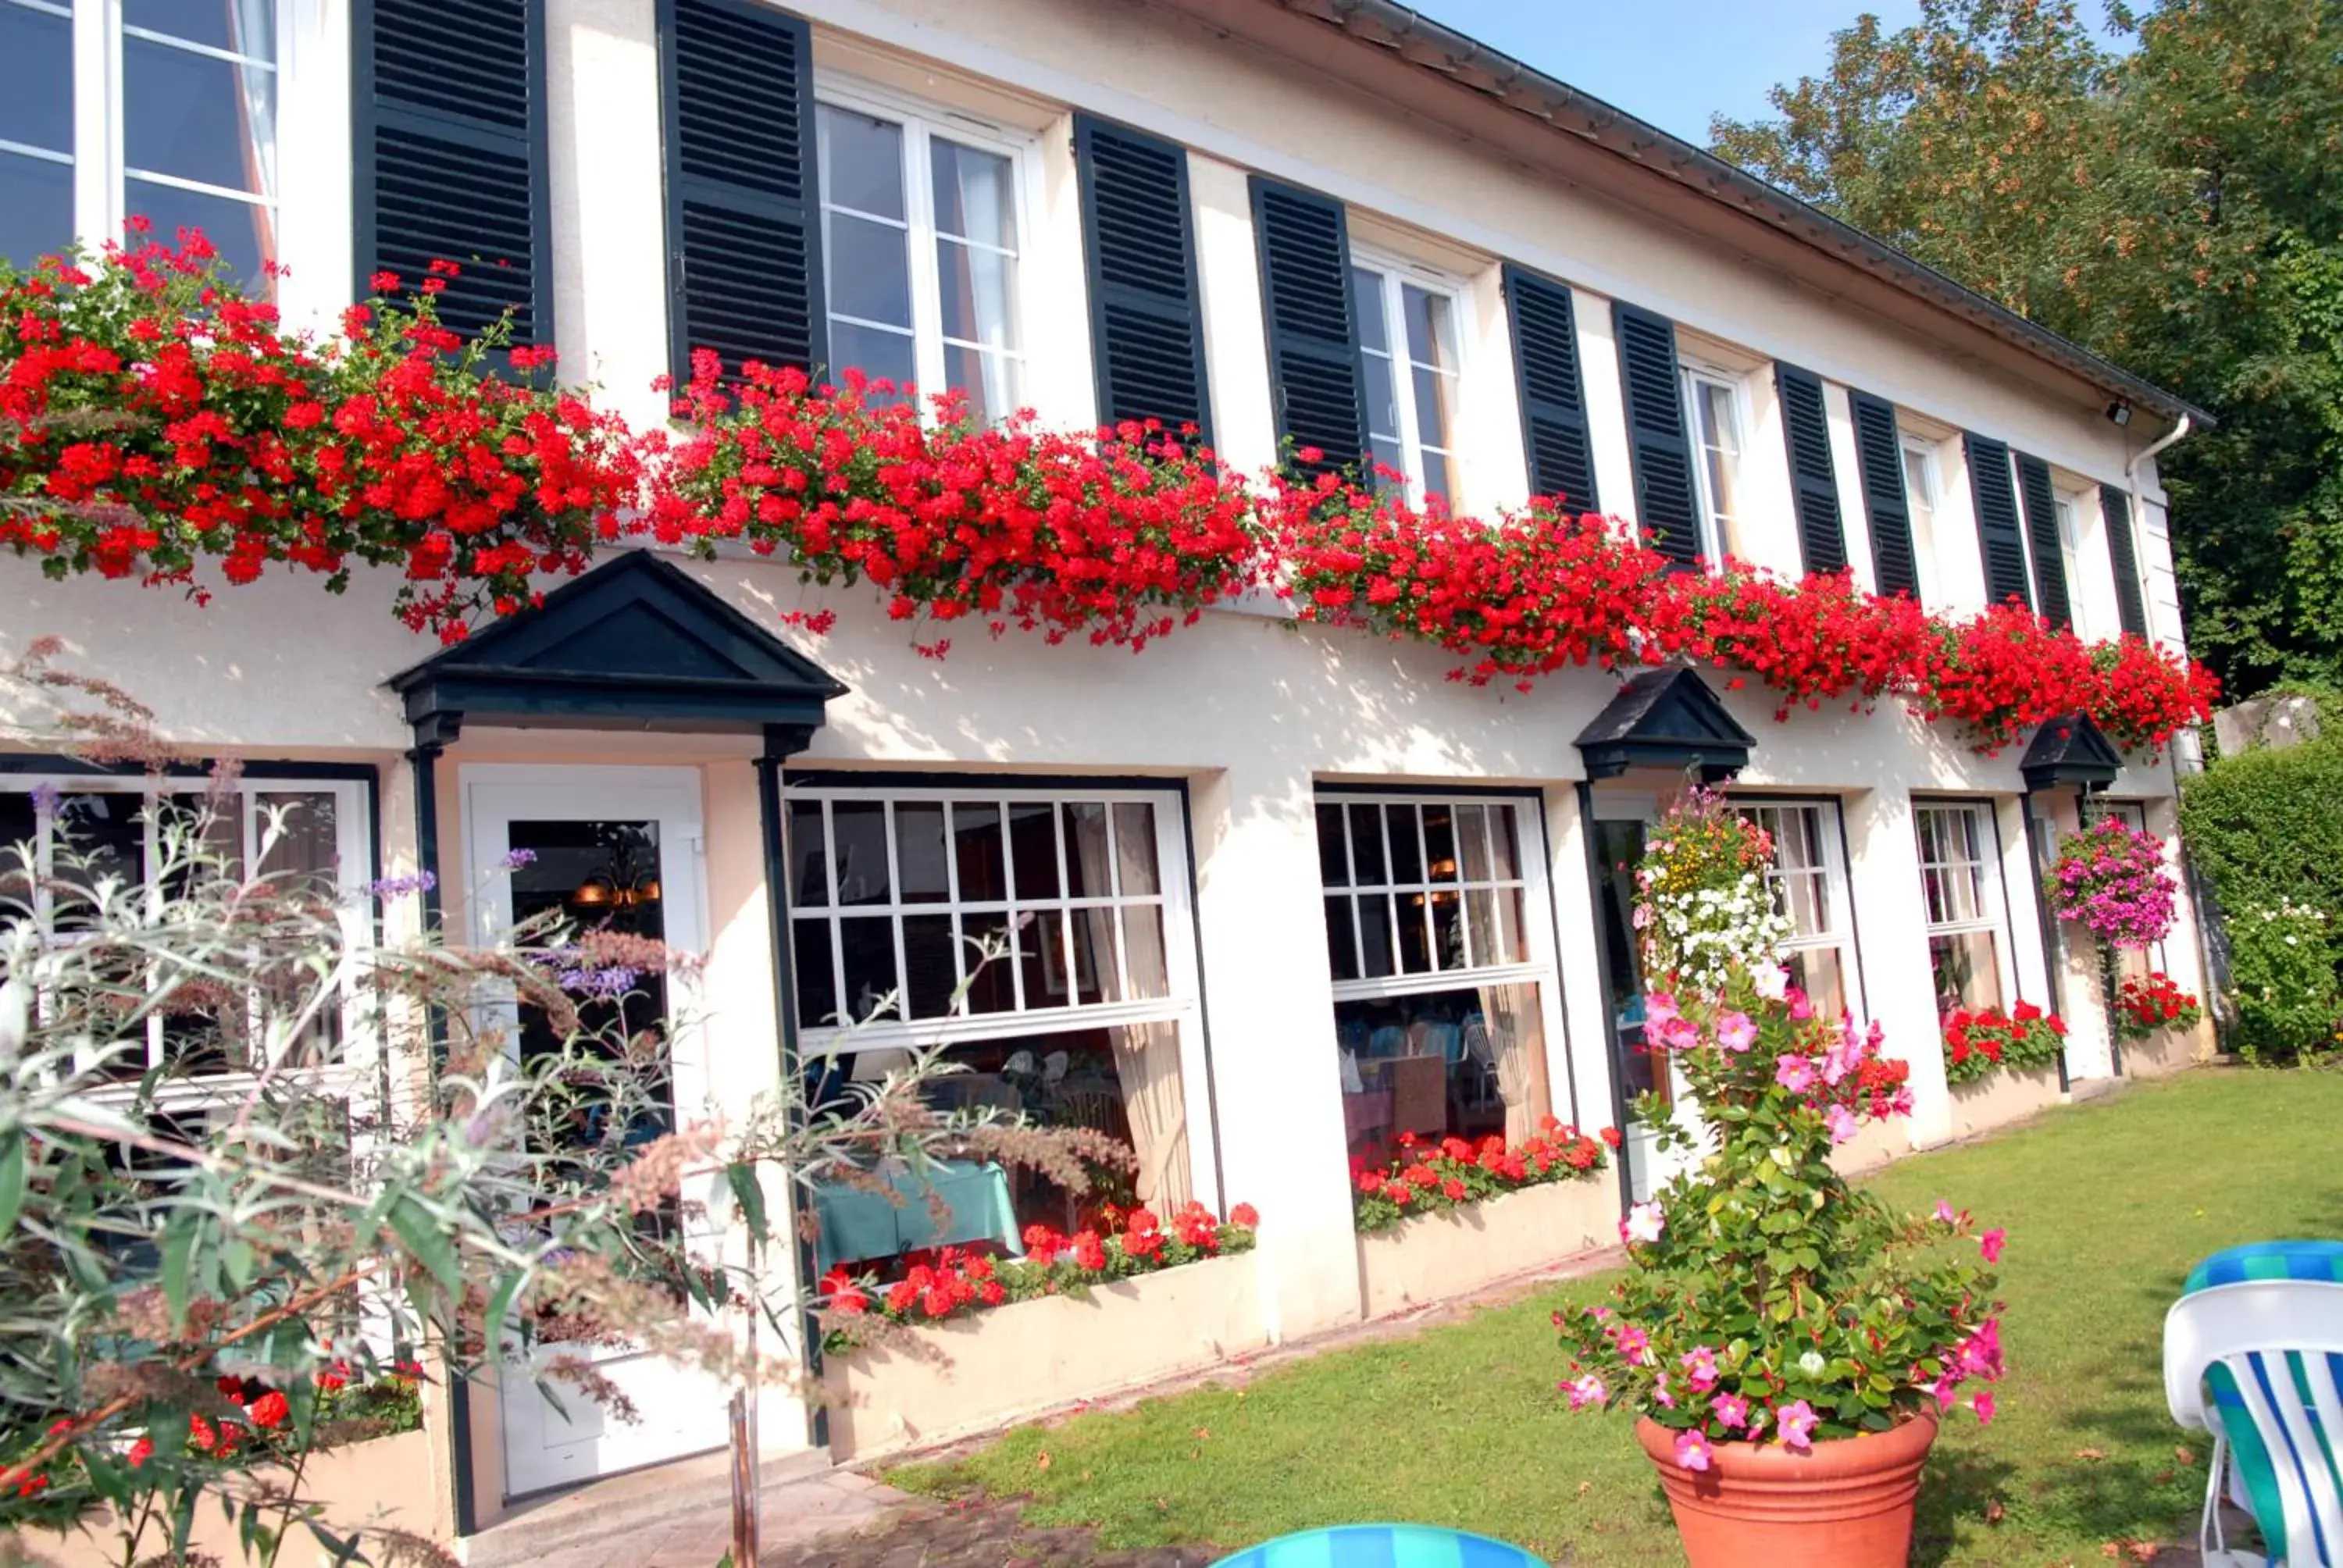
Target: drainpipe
[(2180, 428)]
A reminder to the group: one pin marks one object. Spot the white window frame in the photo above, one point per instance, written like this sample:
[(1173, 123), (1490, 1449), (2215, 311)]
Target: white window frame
[(1840, 936), (1694, 374), (1924, 530), (922, 122), (1529, 843), (354, 848), (1181, 1003), (2067, 506), (98, 160), (1992, 898), (1393, 273)]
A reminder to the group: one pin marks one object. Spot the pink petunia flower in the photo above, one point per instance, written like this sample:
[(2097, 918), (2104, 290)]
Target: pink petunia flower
[(1692, 1451), (1841, 1122), (1992, 1243), (1735, 1032), (1643, 1223), (1796, 1423), (1983, 1405), (1700, 1368), (1944, 1214), (1586, 1390), (1732, 1411), (1658, 1007), (1794, 1073)]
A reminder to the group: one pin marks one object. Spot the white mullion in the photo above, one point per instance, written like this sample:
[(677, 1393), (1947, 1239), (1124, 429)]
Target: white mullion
[(1410, 444), (1114, 883), (96, 124), (837, 921), (1424, 859), (951, 902), (1065, 899), (895, 911), (927, 299), (1350, 889), (151, 896), (1390, 884), (1009, 883), (248, 801)]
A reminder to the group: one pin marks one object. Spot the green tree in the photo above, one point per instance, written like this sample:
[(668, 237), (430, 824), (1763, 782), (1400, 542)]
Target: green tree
[(2176, 204)]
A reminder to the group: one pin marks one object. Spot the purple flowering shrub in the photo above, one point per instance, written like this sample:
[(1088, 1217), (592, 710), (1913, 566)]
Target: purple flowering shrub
[(2112, 879)]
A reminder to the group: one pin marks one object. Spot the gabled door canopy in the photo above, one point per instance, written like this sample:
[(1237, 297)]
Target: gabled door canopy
[(2070, 750), (1666, 719), (637, 643)]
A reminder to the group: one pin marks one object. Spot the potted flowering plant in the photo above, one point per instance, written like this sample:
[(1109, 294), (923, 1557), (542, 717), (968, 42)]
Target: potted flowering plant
[(2111, 878), (1787, 1343), (2147, 1003)]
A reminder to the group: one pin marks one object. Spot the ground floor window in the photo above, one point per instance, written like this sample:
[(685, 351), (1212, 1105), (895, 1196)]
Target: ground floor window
[(2131, 963), (1086, 1016), (1439, 932), (66, 836), (1968, 916), (1808, 881)]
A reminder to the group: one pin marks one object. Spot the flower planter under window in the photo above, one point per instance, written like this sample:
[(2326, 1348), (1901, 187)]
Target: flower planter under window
[(1438, 1255), (2002, 1097), (1018, 1361)]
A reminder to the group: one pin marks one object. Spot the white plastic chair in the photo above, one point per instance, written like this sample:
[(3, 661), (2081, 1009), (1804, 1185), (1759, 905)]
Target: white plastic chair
[(2275, 1336)]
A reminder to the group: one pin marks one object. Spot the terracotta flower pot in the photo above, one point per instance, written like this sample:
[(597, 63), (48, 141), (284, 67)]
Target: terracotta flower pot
[(1846, 1504)]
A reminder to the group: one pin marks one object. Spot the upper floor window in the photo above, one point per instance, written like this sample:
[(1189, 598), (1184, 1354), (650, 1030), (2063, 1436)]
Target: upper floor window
[(921, 229), (1713, 401), (1808, 881), (164, 110), (1922, 492), (1407, 342), (2070, 539)]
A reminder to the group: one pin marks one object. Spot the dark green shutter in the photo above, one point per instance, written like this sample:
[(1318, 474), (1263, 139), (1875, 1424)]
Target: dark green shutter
[(743, 214), (1552, 392), (1146, 330), (1813, 482), (1314, 343), (2000, 541), (450, 156), (2114, 509), (1879, 451), (2042, 534), (1666, 504)]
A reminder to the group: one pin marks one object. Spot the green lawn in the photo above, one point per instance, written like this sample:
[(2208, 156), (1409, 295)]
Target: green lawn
[(2107, 1205)]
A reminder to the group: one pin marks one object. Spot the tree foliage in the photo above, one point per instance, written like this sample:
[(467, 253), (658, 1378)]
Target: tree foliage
[(2169, 193)]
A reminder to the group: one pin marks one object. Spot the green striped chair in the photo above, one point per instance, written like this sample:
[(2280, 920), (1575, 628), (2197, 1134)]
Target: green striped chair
[(2253, 1352), (1382, 1546)]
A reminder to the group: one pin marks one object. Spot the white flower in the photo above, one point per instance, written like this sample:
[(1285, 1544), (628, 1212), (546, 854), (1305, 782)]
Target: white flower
[(1812, 1363), (1773, 981), (1644, 1223)]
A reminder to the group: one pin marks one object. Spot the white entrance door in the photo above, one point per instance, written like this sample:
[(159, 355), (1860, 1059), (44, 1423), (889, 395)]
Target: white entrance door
[(618, 848)]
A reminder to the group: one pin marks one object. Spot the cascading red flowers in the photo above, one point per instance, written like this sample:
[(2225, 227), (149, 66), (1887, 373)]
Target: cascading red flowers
[(1978, 1044), (1114, 537), (2145, 1004), (151, 416)]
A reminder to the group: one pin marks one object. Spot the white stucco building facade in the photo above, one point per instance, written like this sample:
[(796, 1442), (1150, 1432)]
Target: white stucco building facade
[(1192, 830)]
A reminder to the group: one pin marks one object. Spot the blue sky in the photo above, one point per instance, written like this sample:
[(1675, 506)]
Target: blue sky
[(1671, 62)]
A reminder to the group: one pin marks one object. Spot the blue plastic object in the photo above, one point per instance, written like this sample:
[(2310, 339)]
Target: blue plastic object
[(1382, 1546)]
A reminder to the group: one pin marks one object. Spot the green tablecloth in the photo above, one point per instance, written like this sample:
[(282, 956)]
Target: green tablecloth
[(857, 1224)]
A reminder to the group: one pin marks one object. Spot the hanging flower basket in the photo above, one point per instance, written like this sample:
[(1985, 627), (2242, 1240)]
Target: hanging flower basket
[(2112, 880)]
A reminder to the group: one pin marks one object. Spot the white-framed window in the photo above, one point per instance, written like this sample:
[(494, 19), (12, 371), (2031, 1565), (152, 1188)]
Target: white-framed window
[(1809, 883), (1091, 1019), (2066, 504), (1409, 347), (1714, 409), (303, 834), (1968, 916), (923, 224), (160, 109), (1923, 489), (1438, 931)]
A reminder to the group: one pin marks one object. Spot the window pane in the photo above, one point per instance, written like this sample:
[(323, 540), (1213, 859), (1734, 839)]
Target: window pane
[(994, 987), (880, 355), (198, 117), (20, 832), (1382, 399), (99, 835), (1367, 306), (1447, 931), (35, 79), (1142, 936), (1088, 874), (1042, 953), (808, 862), (1502, 828), (1406, 847), (1431, 394), (1385, 452), (1439, 842), (1333, 854), (976, 839), (1134, 848), (974, 199), (242, 28), (37, 208), (1374, 936), (928, 975), (868, 943), (869, 274), (862, 161), (1341, 940), (304, 854), (920, 852), (1511, 934), (1094, 957), (817, 981), (1437, 479), (1818, 972), (1472, 841), (244, 233), (1802, 896), (1367, 845), (977, 286), (1414, 935), (1431, 327), (1481, 919), (861, 851), (1967, 973), (1033, 846), (990, 383)]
